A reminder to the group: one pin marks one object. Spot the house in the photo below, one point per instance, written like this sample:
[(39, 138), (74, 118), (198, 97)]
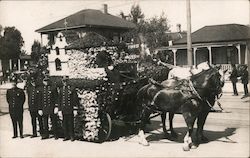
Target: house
[(90, 20), (218, 44), (84, 21)]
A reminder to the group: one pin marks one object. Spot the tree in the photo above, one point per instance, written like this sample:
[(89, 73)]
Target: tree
[(136, 14), (154, 31), (11, 43), (151, 31), (36, 50), (137, 17)]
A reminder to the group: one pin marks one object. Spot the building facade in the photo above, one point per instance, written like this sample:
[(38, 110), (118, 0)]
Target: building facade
[(218, 44), (57, 58)]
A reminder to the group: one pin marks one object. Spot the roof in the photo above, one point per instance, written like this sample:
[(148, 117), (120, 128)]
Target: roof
[(88, 18), (218, 33), (176, 35)]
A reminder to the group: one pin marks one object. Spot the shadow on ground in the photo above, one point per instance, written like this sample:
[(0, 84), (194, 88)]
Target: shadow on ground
[(156, 135), (211, 135), (3, 113)]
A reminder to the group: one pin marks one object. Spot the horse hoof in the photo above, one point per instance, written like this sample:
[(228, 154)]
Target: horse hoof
[(186, 147), (144, 143)]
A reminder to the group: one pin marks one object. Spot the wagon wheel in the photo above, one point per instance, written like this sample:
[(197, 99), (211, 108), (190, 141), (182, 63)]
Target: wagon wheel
[(105, 128)]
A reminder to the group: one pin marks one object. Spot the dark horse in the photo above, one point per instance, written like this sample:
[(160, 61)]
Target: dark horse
[(192, 98)]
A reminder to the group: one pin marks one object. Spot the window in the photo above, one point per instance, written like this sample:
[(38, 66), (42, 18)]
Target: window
[(57, 51), (58, 64)]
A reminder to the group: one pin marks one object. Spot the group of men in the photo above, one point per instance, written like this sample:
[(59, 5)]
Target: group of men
[(44, 101), (243, 75)]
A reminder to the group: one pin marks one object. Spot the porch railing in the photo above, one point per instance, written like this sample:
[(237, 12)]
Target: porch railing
[(226, 67)]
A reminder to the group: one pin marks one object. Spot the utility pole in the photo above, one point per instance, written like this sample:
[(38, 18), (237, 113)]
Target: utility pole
[(189, 41), (248, 46)]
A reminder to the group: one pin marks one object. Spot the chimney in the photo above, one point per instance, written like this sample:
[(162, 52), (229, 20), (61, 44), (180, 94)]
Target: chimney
[(105, 8), (178, 27)]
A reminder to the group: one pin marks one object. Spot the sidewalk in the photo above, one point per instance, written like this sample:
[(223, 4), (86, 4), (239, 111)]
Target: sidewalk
[(228, 135), (228, 88)]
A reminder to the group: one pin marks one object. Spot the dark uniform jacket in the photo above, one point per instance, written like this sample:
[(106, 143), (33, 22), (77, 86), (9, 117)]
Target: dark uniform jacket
[(244, 77), (234, 75), (15, 98), (68, 100), (47, 99), (32, 92)]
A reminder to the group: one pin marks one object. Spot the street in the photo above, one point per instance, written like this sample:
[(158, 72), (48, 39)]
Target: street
[(228, 134)]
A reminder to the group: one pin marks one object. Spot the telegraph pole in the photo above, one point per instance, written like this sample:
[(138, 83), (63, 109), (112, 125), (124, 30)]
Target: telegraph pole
[(189, 41)]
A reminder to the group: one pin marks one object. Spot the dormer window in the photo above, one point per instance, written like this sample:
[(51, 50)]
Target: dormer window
[(58, 64), (57, 51)]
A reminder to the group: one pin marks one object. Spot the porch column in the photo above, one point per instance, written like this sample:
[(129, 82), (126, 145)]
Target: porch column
[(10, 64), (41, 39), (19, 64), (239, 55), (210, 54), (194, 55), (174, 51)]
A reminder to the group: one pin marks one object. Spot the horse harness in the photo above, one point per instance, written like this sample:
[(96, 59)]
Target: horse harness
[(183, 91), (197, 94)]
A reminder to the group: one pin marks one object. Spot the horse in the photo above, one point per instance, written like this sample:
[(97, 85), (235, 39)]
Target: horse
[(192, 98)]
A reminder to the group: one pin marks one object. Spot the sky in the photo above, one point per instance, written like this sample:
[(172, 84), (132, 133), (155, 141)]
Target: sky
[(28, 16)]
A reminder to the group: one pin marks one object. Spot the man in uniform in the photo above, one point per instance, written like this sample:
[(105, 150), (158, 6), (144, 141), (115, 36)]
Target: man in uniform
[(244, 80), (68, 103), (233, 78), (33, 100), (47, 108), (16, 98)]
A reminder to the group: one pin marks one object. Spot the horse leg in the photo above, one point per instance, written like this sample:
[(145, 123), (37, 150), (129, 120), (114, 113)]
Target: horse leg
[(200, 125), (141, 135), (163, 120), (189, 112), (171, 117), (189, 119)]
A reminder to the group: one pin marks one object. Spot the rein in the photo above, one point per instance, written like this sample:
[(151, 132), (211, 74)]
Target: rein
[(197, 94)]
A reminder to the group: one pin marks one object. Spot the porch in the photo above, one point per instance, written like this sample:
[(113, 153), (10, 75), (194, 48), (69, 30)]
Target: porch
[(223, 53)]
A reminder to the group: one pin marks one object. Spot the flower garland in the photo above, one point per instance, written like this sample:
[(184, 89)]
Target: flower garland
[(88, 101), (81, 65)]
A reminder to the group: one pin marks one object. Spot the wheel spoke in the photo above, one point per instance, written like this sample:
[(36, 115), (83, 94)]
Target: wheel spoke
[(104, 131)]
